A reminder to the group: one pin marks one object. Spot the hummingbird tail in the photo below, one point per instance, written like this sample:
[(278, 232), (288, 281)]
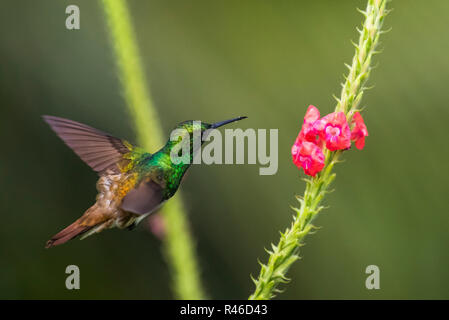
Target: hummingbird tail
[(72, 231)]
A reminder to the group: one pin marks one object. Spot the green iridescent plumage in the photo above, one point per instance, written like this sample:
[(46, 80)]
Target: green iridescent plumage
[(159, 166)]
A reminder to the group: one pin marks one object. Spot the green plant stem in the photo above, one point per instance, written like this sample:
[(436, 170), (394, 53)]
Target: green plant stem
[(282, 255), (178, 246)]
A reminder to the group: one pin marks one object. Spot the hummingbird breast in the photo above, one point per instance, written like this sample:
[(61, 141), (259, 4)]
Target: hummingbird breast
[(111, 189)]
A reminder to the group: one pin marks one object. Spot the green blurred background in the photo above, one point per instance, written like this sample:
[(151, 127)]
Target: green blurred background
[(212, 60)]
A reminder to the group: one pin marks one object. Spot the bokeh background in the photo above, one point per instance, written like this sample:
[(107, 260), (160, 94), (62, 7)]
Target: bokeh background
[(212, 60)]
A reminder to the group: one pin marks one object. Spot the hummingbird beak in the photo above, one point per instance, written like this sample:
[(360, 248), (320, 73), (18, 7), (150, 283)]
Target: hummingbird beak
[(222, 123)]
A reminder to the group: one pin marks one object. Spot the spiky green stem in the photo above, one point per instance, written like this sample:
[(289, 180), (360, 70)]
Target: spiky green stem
[(178, 245), (286, 251)]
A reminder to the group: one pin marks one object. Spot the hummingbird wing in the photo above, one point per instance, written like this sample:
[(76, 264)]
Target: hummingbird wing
[(145, 198), (98, 149)]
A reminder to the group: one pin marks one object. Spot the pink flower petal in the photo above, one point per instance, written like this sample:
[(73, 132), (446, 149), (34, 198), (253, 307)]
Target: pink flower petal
[(359, 131)]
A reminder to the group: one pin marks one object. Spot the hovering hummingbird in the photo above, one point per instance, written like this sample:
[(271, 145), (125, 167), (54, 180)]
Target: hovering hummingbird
[(132, 184)]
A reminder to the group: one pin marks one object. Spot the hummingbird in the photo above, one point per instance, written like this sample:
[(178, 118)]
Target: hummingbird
[(132, 182)]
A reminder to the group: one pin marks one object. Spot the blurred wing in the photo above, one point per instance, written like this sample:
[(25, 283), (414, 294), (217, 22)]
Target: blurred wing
[(144, 199), (98, 149)]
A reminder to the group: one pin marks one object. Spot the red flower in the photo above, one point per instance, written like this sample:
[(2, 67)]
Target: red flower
[(359, 131), (331, 131), (312, 114), (308, 132), (308, 156), (334, 129)]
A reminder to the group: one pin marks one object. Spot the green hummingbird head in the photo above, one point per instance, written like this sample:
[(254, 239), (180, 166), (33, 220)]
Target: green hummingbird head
[(187, 131)]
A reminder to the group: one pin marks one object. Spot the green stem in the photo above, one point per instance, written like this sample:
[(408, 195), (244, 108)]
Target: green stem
[(178, 245), (282, 255)]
